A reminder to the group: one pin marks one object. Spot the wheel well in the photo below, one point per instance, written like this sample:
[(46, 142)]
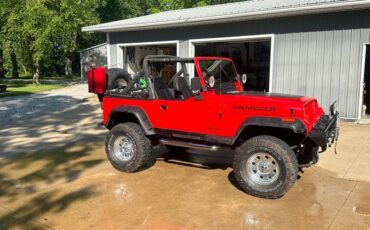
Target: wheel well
[(284, 134), (122, 117)]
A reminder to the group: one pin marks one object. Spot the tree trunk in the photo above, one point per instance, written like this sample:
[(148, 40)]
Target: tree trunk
[(68, 67), (36, 76), (2, 75), (13, 58)]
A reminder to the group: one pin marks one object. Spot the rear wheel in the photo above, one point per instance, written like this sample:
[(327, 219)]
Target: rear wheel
[(127, 147), (265, 166)]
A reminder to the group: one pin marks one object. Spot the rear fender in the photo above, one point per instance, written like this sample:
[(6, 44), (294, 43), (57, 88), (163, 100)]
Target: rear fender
[(124, 114)]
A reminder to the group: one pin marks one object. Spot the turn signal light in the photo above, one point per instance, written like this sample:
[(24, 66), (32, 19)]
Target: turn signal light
[(288, 120)]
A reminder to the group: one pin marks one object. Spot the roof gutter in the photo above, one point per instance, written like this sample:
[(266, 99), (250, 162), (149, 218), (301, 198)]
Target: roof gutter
[(342, 6), (93, 47)]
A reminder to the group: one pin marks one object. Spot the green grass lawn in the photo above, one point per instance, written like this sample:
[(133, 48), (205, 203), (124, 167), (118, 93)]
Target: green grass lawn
[(29, 76), (21, 88)]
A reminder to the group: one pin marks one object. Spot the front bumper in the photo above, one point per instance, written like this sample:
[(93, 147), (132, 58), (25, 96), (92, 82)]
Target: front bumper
[(326, 131)]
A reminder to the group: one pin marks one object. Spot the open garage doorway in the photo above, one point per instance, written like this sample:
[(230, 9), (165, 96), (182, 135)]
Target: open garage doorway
[(252, 57), (131, 56), (365, 110)]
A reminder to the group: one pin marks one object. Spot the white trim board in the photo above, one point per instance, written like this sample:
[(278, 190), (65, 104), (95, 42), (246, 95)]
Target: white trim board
[(108, 51), (362, 81), (271, 37)]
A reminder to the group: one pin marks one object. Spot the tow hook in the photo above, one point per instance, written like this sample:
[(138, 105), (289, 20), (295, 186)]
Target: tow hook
[(330, 140)]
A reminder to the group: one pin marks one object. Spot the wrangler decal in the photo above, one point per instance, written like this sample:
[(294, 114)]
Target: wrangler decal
[(255, 108)]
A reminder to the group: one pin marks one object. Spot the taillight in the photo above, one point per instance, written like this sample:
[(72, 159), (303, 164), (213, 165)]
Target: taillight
[(97, 80)]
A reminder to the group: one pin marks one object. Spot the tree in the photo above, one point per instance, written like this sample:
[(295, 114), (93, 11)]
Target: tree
[(13, 58), (2, 22), (7, 42), (113, 10), (4, 8), (165, 5), (2, 75), (47, 32)]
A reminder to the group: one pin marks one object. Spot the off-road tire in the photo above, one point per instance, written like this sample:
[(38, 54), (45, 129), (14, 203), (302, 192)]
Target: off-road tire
[(285, 159), (115, 75), (141, 142)]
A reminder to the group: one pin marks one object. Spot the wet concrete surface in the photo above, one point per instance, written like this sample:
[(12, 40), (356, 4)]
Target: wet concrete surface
[(74, 187)]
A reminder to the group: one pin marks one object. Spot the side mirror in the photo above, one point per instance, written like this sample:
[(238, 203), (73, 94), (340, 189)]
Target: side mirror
[(244, 78), (195, 84)]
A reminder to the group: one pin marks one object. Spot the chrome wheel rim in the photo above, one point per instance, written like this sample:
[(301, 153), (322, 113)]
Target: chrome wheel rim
[(124, 148), (120, 83), (262, 169)]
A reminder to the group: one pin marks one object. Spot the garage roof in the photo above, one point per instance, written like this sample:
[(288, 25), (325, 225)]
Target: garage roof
[(253, 9)]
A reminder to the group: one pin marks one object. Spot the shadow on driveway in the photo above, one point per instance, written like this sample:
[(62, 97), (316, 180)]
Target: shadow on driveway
[(28, 175), (46, 142), (49, 124)]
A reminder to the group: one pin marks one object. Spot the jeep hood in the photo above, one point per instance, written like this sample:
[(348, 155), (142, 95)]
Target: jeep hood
[(262, 96)]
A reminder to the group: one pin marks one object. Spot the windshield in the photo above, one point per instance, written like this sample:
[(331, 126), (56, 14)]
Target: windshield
[(223, 71)]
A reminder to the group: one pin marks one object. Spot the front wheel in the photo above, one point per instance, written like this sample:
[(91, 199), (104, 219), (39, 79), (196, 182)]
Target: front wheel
[(265, 167), (127, 147)]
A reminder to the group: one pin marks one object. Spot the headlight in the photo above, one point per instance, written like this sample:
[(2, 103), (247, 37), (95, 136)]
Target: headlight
[(334, 108)]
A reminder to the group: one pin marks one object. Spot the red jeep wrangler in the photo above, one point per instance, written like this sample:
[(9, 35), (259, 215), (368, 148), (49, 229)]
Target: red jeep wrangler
[(273, 134)]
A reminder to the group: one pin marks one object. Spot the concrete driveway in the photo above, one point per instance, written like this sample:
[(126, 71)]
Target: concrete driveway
[(54, 174)]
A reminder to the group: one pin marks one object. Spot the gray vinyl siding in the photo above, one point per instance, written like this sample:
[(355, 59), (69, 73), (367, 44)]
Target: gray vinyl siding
[(314, 55), (326, 65)]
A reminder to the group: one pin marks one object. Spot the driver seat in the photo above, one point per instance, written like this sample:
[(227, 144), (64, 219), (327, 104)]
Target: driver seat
[(162, 90), (181, 86)]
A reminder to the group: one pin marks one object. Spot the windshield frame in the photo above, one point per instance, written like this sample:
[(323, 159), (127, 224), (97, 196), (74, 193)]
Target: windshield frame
[(230, 86)]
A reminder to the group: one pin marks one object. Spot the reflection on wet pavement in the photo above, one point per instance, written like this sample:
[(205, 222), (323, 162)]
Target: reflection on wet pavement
[(176, 191)]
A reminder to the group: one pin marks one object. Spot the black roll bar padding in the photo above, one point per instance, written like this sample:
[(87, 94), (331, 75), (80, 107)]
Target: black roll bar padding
[(163, 58)]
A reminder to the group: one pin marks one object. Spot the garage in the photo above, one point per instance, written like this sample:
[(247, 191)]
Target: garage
[(251, 57), (315, 49)]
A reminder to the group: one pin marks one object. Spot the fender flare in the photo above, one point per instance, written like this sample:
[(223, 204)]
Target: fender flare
[(297, 126), (138, 113)]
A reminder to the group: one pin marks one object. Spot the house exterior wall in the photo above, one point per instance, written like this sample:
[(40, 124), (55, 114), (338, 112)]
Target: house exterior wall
[(314, 55)]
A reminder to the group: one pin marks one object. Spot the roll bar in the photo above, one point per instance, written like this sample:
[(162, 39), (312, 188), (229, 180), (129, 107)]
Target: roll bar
[(163, 58)]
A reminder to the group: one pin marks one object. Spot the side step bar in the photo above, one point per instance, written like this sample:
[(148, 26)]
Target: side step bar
[(190, 145)]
